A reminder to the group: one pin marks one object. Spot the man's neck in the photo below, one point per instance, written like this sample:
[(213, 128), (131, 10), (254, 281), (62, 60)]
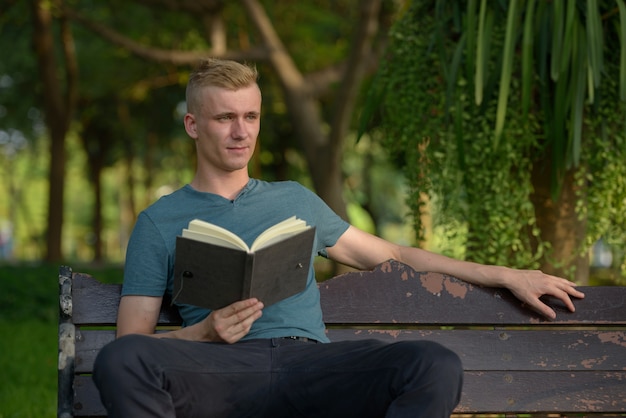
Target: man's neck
[(228, 186)]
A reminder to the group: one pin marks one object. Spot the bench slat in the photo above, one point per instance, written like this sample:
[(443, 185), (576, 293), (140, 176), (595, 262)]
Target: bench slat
[(511, 392), (514, 349), (395, 293), (563, 392), (478, 349)]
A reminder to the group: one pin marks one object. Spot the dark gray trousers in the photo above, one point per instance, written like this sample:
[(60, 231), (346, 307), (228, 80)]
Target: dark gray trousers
[(141, 376)]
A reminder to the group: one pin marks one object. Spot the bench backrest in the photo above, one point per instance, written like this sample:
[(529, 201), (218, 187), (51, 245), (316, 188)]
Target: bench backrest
[(514, 361)]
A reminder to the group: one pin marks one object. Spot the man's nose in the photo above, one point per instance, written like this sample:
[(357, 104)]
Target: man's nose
[(238, 129)]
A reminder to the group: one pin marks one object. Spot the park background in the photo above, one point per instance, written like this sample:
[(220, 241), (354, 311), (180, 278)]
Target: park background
[(489, 131)]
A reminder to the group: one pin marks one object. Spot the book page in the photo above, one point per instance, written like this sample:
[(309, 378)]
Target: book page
[(199, 236), (279, 232), (208, 232)]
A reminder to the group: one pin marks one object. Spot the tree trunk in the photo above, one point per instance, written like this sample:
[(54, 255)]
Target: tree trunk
[(98, 222), (55, 117), (128, 199), (560, 225), (96, 157), (58, 108)]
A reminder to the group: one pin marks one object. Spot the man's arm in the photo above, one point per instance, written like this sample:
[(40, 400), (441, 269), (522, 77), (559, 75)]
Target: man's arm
[(361, 250), (139, 315)]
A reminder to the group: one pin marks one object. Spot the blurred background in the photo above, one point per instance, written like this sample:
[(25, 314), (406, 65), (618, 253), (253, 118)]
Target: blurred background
[(488, 131)]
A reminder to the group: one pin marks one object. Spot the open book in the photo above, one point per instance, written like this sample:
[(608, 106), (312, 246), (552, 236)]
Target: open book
[(214, 267)]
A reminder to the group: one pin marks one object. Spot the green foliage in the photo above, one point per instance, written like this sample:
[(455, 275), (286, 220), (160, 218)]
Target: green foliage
[(407, 115), (442, 90), (321, 36), (375, 190), (604, 169), (18, 72)]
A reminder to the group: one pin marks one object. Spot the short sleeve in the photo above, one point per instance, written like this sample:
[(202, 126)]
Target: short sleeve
[(147, 261)]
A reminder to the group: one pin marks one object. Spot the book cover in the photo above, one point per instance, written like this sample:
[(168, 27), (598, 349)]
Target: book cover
[(213, 276)]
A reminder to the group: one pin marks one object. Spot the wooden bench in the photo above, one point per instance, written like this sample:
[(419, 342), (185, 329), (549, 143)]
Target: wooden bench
[(515, 362)]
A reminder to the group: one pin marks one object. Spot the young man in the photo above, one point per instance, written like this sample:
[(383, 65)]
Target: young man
[(246, 360)]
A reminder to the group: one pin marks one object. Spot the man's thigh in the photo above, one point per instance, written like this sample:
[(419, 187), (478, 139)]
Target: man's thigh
[(218, 380), (343, 379)]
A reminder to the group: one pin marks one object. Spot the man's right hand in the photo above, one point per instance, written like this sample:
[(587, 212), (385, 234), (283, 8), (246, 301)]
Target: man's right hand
[(233, 322)]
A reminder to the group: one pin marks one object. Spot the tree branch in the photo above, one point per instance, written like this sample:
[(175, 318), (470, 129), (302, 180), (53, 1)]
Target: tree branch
[(360, 50), (193, 7), (175, 57), (71, 68), (280, 59)]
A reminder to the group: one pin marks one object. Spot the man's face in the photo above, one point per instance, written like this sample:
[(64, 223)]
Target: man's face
[(225, 127)]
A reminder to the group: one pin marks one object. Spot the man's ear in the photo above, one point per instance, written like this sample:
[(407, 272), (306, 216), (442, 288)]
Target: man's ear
[(190, 125)]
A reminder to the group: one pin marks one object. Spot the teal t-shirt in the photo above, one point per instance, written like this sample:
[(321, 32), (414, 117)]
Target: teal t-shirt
[(149, 269)]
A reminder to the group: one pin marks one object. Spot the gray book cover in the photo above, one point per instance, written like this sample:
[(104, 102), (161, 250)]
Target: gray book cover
[(212, 276)]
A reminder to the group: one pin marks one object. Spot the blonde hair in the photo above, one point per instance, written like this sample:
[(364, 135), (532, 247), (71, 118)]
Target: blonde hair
[(221, 73)]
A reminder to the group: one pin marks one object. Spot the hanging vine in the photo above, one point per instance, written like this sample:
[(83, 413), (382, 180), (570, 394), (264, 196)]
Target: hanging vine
[(445, 142)]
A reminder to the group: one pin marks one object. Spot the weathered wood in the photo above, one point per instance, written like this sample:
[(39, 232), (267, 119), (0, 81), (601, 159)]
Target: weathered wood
[(66, 345), (395, 293), (478, 349), (402, 295), (515, 361), (543, 392), (530, 350)]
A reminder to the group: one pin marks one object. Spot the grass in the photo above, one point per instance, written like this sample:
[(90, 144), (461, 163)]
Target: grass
[(28, 325), (29, 371)]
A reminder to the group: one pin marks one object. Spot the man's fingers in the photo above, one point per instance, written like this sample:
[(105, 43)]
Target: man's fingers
[(544, 309), (239, 311), (235, 320), (573, 291), (564, 294)]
